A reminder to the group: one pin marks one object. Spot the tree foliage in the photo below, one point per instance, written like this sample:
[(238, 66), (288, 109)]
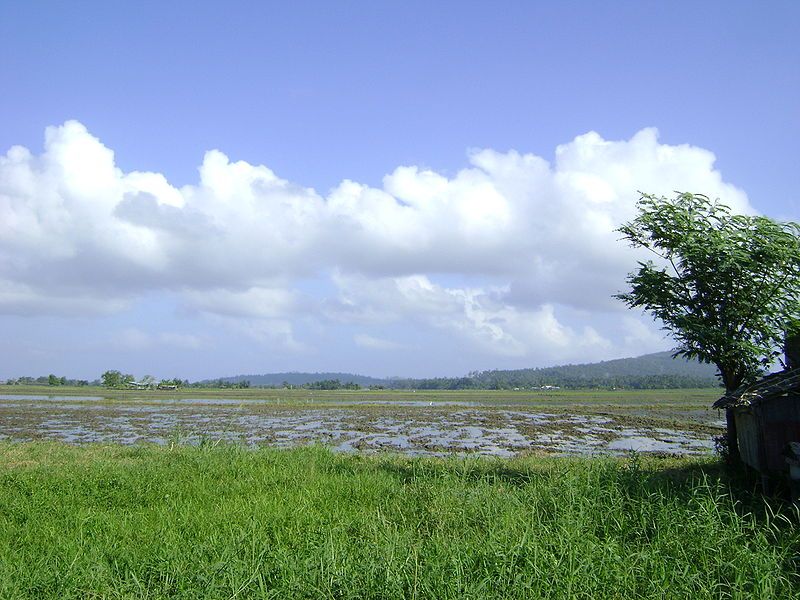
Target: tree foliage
[(115, 379), (724, 285)]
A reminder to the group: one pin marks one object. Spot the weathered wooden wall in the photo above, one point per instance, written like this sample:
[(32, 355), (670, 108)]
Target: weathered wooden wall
[(748, 434), (765, 429)]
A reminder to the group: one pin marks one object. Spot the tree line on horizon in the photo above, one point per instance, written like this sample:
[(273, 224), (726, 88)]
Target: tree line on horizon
[(652, 371), (51, 380), (490, 380)]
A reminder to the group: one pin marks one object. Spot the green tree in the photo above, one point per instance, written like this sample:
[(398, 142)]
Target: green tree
[(725, 285), (111, 378)]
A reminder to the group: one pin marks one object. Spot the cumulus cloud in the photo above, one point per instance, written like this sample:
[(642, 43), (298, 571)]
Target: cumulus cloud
[(254, 302), (132, 338), (476, 315), (535, 239), (364, 340), (264, 331)]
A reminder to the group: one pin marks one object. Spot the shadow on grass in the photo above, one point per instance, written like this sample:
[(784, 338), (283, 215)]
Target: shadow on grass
[(639, 477)]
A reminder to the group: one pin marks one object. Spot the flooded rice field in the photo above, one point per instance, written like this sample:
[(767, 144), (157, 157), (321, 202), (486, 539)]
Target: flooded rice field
[(417, 427)]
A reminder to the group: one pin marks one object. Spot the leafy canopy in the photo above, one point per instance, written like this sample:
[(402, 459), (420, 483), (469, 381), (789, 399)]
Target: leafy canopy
[(725, 285), (115, 379)]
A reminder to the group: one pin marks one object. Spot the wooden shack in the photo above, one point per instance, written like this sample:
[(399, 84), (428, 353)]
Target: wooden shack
[(767, 416)]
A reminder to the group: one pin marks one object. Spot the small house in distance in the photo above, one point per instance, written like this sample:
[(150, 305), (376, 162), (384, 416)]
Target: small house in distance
[(767, 416)]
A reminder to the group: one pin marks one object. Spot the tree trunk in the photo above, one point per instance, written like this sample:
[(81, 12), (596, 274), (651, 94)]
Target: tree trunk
[(734, 457), (731, 378), (791, 348)]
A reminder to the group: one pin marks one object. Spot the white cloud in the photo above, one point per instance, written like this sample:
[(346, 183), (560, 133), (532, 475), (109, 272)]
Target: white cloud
[(266, 332), (186, 341), (365, 340), (535, 240), (255, 302), (132, 338), (477, 316), (23, 299)]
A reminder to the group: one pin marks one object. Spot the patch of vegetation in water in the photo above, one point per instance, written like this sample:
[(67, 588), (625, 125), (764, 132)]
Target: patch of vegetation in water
[(700, 397), (414, 429), (220, 521)]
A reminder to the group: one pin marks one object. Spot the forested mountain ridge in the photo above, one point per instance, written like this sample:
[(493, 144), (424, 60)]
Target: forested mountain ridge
[(658, 370)]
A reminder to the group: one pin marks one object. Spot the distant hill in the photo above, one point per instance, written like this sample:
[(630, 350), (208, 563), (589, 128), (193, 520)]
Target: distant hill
[(650, 371), (656, 370)]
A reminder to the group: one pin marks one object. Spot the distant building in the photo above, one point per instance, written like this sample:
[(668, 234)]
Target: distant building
[(138, 385)]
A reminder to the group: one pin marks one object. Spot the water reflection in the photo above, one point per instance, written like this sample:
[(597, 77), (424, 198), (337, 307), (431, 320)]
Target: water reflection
[(419, 428)]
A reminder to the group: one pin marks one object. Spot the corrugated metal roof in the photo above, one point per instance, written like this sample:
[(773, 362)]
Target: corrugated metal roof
[(770, 386)]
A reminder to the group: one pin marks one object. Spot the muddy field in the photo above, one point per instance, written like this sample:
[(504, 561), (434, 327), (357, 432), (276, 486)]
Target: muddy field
[(414, 423)]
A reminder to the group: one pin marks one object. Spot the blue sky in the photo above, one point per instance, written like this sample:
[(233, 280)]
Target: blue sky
[(504, 255)]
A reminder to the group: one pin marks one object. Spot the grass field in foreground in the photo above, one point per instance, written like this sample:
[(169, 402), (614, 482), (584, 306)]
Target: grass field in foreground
[(227, 522)]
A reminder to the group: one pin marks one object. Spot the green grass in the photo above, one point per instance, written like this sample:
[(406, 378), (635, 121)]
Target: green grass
[(679, 397), (227, 522)]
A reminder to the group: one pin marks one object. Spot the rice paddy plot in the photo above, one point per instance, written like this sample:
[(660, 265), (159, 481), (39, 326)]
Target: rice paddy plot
[(415, 423)]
